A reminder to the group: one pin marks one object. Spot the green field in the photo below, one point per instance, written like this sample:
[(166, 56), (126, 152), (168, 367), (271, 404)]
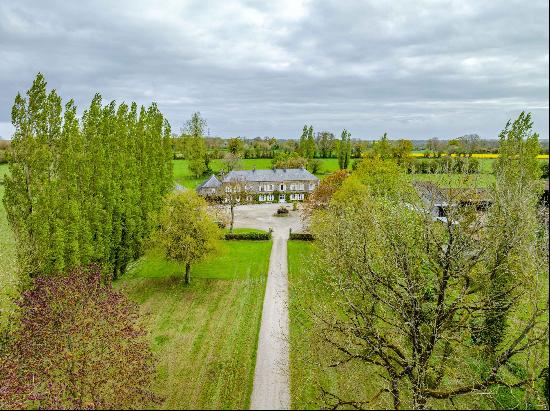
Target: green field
[(204, 335), (183, 176)]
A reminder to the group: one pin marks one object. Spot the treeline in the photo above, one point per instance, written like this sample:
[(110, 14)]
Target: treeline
[(81, 190)]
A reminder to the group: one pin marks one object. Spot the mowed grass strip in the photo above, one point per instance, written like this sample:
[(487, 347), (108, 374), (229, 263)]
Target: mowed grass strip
[(204, 335), (310, 357), (8, 277)]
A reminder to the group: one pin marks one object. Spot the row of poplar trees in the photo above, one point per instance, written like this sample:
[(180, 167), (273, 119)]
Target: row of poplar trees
[(83, 190)]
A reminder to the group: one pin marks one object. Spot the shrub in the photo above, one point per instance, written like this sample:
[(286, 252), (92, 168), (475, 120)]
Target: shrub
[(282, 210), (248, 236), (544, 169), (301, 236), (78, 346)]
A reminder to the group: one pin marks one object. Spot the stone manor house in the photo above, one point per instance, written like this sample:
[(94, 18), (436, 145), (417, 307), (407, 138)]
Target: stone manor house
[(260, 186)]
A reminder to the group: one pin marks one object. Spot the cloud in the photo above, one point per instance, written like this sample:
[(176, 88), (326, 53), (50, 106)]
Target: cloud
[(417, 70)]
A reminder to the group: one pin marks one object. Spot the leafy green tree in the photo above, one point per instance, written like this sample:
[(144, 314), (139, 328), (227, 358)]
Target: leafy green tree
[(309, 150), (512, 225), (383, 148), (235, 145), (401, 149), (289, 160), (302, 145), (83, 191), (344, 150), (325, 144), (185, 231), (199, 160)]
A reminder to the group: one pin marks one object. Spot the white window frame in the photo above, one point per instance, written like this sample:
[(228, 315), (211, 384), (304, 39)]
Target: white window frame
[(261, 197)]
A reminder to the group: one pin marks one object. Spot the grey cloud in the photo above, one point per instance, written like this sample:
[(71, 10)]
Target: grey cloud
[(266, 68)]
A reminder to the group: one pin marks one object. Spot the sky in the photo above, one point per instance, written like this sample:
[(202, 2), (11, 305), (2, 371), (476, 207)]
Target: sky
[(415, 70)]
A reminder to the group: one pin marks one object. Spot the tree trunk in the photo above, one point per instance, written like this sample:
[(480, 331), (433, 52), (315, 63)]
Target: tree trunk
[(232, 218), (187, 278)]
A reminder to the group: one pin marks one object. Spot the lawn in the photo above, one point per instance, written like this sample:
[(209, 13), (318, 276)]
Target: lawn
[(183, 176), (204, 335), (309, 357), (8, 278)]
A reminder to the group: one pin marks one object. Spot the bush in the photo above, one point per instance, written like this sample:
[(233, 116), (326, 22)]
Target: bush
[(544, 169), (282, 210), (301, 236), (79, 346), (248, 236)]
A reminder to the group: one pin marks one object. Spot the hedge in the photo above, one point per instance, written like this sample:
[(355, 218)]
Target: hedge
[(301, 236), (248, 236)]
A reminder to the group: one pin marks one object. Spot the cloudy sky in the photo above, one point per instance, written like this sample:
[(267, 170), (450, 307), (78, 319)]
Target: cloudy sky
[(264, 68)]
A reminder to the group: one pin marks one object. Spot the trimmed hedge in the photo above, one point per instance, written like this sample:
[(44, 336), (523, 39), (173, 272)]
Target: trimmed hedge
[(301, 236), (248, 236)]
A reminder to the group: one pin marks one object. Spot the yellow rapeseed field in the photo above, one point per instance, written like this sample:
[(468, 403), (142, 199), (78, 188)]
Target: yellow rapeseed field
[(479, 155)]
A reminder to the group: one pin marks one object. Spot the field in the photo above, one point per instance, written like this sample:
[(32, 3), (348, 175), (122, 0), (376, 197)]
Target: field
[(183, 176), (204, 335)]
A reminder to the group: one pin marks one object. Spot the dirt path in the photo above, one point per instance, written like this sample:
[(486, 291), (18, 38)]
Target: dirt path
[(271, 389)]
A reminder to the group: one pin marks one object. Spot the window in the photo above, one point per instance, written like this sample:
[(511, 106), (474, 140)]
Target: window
[(261, 198), (227, 189), (270, 197), (311, 187)]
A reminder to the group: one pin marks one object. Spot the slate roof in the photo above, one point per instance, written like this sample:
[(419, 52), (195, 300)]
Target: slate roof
[(212, 182), (278, 174)]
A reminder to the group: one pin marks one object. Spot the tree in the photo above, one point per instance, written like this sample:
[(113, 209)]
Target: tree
[(320, 198), (61, 198), (314, 165), (199, 160), (309, 151), (235, 145), (235, 193), (512, 224), (401, 150), (302, 146), (232, 162), (383, 148), (325, 144), (79, 346), (344, 150), (411, 296), (288, 160), (436, 146), (185, 232)]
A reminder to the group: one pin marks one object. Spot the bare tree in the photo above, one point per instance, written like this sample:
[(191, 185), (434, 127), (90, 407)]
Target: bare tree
[(436, 308), (235, 192)]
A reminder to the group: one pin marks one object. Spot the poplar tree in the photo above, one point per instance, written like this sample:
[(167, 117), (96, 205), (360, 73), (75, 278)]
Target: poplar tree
[(84, 191), (344, 150), (302, 146), (310, 143)]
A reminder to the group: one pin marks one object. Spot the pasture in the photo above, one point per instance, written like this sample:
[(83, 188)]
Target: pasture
[(204, 335)]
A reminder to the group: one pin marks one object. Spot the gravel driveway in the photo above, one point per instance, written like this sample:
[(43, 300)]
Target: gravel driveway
[(271, 390)]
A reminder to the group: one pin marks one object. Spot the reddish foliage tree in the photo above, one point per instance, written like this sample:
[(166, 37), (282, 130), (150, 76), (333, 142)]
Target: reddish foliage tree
[(78, 346), (320, 198)]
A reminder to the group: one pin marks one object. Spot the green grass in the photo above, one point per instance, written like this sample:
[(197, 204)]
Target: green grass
[(310, 357), (183, 176), (8, 277), (204, 335)]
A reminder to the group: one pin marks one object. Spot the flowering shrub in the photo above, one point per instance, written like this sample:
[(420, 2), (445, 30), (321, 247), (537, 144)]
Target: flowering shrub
[(78, 346)]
